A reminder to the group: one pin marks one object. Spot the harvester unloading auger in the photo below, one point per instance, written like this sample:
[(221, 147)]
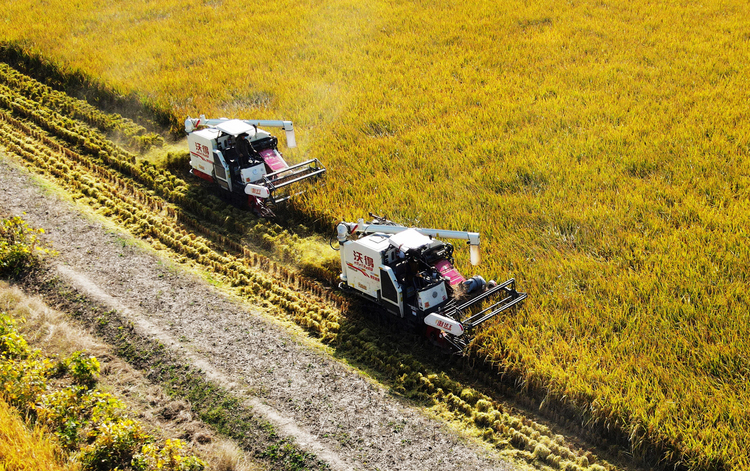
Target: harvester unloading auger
[(410, 274), (244, 161)]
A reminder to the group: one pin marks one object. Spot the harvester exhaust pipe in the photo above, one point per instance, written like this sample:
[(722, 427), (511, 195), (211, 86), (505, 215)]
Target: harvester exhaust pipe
[(342, 232)]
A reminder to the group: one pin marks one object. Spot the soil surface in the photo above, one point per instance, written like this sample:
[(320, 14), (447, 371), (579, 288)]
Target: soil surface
[(329, 408)]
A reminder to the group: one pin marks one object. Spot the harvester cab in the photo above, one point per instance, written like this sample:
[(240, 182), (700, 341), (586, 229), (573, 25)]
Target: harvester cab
[(244, 161), (410, 274)]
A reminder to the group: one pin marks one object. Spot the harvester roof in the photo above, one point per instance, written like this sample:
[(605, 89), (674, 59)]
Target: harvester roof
[(235, 127), (409, 239)]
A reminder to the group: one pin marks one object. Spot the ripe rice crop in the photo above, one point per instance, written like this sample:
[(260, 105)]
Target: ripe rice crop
[(602, 148)]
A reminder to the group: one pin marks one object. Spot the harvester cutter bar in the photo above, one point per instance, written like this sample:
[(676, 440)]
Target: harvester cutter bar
[(304, 176), (511, 298), (456, 342), (290, 175), (317, 169)]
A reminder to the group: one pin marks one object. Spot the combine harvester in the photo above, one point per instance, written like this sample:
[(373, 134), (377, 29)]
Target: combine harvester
[(244, 161), (410, 274)]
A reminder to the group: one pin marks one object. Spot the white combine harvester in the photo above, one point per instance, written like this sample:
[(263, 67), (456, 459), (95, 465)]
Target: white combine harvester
[(244, 161), (410, 274)]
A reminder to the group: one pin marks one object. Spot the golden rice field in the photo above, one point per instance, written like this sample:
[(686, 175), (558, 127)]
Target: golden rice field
[(602, 148)]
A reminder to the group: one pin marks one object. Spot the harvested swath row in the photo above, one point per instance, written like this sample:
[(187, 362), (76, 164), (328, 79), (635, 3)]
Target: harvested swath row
[(136, 209), (67, 129), (259, 261), (155, 204), (251, 273), (133, 133)]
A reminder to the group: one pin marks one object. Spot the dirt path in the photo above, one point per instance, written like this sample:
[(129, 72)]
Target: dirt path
[(330, 409)]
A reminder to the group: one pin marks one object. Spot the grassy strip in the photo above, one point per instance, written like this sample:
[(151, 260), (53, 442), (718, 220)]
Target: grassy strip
[(213, 404), (91, 427)]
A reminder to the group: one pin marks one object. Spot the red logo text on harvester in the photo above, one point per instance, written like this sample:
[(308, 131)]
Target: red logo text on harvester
[(202, 151), (443, 325), (363, 262)]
